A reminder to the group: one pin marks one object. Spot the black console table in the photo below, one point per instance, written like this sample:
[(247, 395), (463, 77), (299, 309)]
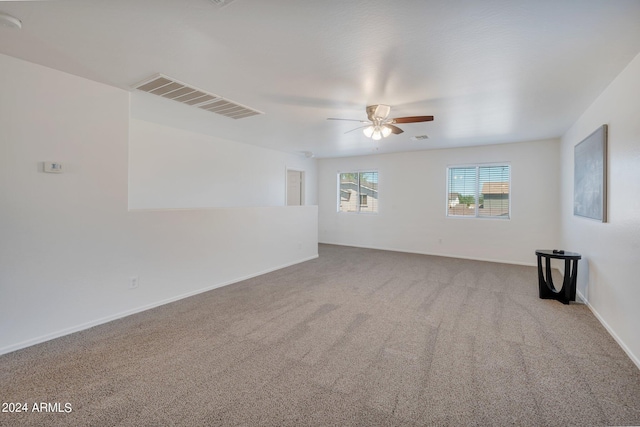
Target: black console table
[(545, 285)]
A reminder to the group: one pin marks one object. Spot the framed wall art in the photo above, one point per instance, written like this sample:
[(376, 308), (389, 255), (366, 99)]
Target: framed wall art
[(590, 176)]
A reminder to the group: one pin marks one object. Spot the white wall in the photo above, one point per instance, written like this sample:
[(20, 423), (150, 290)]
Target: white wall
[(68, 244), (176, 168), (609, 273), (412, 189)]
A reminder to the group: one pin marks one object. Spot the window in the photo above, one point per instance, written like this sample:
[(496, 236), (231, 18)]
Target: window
[(358, 192), (479, 191)]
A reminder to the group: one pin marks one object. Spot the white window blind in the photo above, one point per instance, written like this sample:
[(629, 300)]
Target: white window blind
[(479, 191)]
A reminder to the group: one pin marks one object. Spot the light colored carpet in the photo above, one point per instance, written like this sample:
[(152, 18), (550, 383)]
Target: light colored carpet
[(355, 337)]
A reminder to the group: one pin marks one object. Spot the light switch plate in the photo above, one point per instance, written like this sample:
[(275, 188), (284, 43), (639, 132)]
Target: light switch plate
[(53, 167)]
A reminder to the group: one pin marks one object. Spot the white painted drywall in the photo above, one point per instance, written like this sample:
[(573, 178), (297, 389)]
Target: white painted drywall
[(176, 168), (608, 275), (412, 217), (69, 245)]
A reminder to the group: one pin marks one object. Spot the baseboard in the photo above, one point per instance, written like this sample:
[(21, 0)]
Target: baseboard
[(382, 248), (621, 343), (120, 315)]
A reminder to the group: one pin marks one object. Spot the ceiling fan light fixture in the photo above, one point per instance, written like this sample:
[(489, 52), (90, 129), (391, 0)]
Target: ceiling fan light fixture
[(386, 131), (368, 131), (377, 135)]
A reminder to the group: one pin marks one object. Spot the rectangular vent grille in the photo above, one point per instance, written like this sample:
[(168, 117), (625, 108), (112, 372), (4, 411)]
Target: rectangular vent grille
[(221, 3), (173, 89), (419, 137)]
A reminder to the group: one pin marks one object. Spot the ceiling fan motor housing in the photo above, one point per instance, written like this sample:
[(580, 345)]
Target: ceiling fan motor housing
[(378, 112)]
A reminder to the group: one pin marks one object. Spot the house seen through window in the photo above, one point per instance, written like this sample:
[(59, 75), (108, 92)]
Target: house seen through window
[(479, 191), (358, 192)]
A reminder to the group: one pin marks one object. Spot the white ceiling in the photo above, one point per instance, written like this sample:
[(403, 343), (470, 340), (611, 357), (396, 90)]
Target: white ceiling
[(490, 71)]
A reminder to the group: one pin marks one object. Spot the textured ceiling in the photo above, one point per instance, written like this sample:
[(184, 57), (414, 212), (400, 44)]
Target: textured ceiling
[(490, 71)]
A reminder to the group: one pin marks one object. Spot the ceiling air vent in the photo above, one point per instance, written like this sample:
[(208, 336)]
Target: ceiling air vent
[(419, 137), (173, 89), (221, 3)]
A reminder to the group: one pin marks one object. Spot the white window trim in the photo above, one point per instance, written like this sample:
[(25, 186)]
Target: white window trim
[(477, 195)]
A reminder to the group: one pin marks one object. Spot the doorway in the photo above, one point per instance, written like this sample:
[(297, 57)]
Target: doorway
[(295, 187)]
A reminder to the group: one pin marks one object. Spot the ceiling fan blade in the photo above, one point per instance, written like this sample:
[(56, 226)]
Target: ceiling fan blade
[(414, 119), (394, 129), (349, 120)]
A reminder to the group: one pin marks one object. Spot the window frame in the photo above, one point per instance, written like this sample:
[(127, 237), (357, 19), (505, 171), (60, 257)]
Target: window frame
[(359, 195), (477, 194)]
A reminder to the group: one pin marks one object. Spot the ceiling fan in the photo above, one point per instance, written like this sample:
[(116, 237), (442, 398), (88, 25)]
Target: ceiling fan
[(380, 125)]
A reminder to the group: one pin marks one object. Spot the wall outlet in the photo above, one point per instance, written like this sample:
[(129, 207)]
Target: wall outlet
[(134, 281)]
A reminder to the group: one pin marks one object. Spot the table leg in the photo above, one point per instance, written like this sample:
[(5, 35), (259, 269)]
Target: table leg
[(545, 281), (549, 276), (566, 283), (574, 279)]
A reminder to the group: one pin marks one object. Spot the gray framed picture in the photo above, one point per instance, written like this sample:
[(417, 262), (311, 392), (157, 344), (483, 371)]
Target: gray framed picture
[(590, 176)]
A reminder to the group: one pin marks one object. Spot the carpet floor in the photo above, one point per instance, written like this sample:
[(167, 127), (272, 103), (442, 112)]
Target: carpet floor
[(357, 337)]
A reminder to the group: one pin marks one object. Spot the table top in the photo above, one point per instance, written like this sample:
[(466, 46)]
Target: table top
[(548, 253)]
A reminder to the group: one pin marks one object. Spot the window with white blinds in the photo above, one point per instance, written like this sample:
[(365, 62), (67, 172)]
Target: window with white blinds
[(479, 191), (358, 192)]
